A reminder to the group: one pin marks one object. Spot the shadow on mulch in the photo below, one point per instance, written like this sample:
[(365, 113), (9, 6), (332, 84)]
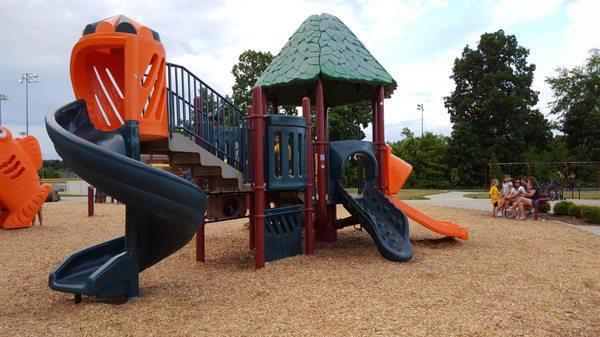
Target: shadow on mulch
[(439, 243)]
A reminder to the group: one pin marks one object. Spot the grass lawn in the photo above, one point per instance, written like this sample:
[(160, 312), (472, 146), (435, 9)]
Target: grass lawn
[(584, 194), (417, 194), (409, 194)]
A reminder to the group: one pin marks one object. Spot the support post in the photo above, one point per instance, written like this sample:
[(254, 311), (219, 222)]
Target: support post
[(90, 200), (200, 243), (258, 108), (488, 175), (310, 180), (374, 124), (380, 143), (250, 199), (200, 237), (250, 203), (324, 232)]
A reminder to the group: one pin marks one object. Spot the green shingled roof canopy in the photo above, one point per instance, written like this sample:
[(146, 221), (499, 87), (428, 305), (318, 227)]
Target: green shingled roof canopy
[(324, 46)]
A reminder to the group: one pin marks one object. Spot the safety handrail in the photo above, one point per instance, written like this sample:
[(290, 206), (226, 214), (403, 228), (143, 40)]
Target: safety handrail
[(207, 117)]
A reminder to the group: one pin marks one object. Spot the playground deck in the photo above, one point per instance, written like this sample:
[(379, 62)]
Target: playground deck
[(510, 278)]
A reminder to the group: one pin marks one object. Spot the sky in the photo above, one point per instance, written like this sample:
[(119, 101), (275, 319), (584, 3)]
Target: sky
[(416, 41)]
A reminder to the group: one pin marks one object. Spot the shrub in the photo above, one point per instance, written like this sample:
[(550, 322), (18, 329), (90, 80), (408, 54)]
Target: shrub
[(545, 208), (590, 214), (562, 208), (575, 211), (595, 219)]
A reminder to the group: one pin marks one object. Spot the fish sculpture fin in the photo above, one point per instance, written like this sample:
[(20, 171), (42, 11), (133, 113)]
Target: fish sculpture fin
[(24, 216), (32, 148)]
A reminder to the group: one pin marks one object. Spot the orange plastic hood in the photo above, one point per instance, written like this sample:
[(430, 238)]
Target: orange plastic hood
[(118, 67), (397, 171)]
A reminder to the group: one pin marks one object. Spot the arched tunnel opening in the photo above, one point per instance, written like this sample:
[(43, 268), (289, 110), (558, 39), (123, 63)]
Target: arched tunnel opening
[(358, 169)]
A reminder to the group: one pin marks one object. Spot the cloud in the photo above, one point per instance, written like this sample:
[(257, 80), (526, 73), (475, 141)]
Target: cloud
[(510, 13), (584, 31), (416, 41)]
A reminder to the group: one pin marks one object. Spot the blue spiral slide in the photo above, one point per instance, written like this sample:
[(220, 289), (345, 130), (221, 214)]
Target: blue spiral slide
[(163, 211)]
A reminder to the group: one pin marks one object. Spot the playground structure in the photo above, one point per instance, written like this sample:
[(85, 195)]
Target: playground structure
[(236, 164), (21, 194)]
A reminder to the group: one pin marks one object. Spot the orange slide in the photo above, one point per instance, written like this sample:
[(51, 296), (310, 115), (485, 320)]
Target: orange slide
[(21, 195), (398, 171)]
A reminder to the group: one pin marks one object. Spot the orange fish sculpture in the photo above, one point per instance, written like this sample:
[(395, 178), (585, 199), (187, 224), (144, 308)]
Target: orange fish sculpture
[(21, 195)]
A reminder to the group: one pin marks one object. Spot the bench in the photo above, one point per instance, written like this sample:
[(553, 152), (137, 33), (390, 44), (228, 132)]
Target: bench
[(537, 204)]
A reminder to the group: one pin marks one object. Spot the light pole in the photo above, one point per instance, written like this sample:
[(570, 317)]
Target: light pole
[(27, 78), (420, 108), (3, 97)]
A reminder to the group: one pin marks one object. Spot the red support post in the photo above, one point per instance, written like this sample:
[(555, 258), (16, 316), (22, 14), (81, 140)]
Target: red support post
[(200, 237), (310, 181), (200, 243), (374, 118), (250, 203), (258, 108), (380, 143), (90, 201), (325, 232)]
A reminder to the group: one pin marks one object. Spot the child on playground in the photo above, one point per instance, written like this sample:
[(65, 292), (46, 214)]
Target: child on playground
[(507, 188), (494, 196)]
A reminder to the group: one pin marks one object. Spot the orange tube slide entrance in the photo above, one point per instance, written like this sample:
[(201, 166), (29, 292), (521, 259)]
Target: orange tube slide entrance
[(397, 171)]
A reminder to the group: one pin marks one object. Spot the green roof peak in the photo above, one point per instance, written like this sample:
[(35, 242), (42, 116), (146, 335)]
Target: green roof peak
[(324, 46)]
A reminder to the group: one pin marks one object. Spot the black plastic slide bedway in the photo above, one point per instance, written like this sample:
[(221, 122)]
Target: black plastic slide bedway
[(163, 211), (386, 224)]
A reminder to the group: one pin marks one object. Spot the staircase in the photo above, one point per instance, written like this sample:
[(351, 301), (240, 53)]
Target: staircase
[(207, 133)]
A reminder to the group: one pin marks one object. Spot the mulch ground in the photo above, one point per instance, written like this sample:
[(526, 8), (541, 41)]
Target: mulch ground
[(520, 278)]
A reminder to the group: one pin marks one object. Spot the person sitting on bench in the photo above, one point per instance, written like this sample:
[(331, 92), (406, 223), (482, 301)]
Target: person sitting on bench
[(528, 199)]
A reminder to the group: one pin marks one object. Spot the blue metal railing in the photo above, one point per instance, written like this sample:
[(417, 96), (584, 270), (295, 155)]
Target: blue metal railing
[(211, 120)]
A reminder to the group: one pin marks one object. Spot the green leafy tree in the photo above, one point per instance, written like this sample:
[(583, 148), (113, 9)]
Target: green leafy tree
[(52, 169), (577, 104), (250, 66), (491, 107), (428, 156), (407, 133), (348, 121)]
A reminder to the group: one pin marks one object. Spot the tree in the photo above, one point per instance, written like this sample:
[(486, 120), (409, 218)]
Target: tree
[(428, 156), (491, 107), (250, 66), (348, 121), (53, 168), (577, 104), (407, 133)]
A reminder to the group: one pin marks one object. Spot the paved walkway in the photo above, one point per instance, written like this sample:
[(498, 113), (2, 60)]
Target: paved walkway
[(458, 200), (73, 199)]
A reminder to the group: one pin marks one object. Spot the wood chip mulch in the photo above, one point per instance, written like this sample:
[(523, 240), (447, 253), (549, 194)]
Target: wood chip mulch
[(518, 278)]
